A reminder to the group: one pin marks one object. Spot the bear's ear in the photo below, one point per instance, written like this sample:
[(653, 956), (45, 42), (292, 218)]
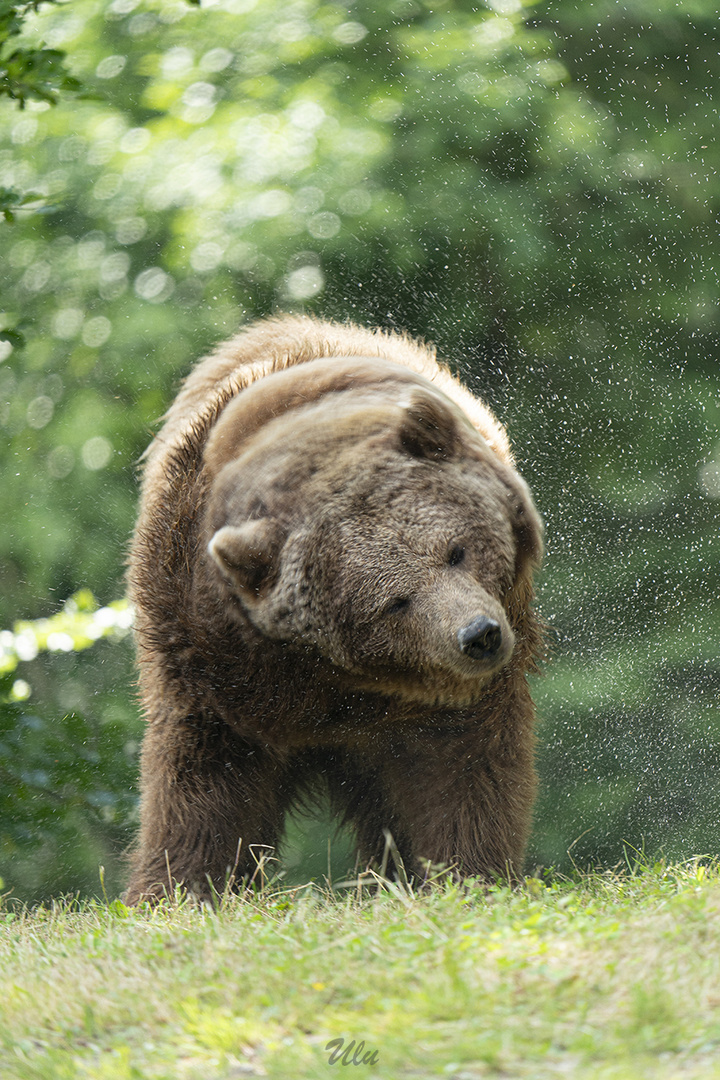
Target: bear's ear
[(527, 527), (428, 429), (519, 600), (248, 554)]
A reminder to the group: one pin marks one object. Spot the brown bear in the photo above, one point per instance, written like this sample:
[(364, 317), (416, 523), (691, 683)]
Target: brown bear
[(332, 574)]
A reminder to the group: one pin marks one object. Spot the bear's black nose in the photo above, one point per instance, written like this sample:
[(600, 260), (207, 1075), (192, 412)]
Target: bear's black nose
[(481, 639)]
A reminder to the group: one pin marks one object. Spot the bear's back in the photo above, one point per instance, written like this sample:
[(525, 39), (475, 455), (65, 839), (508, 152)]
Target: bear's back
[(283, 342)]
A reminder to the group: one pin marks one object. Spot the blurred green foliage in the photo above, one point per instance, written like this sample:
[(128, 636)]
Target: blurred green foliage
[(531, 186)]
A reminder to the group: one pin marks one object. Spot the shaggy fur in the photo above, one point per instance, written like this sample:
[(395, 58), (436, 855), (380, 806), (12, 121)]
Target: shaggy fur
[(332, 572)]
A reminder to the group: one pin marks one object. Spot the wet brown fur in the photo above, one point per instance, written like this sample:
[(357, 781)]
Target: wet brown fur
[(241, 725)]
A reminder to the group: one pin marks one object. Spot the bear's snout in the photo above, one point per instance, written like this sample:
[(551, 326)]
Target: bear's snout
[(481, 639)]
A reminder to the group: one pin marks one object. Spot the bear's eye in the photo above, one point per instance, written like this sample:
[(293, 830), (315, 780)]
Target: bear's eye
[(397, 605), (456, 555)]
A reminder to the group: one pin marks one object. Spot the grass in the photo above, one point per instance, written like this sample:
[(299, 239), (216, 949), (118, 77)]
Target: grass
[(611, 975)]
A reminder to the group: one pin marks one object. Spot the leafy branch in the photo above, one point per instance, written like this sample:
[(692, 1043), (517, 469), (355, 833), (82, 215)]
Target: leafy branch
[(26, 72), (77, 626)]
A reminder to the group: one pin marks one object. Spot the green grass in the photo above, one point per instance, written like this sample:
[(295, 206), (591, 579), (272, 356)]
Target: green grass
[(612, 975)]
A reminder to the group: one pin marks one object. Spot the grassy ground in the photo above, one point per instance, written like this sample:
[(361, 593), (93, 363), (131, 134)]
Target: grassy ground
[(611, 976)]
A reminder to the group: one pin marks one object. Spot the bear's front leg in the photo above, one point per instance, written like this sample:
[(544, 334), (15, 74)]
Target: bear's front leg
[(468, 813), (458, 796), (210, 803)]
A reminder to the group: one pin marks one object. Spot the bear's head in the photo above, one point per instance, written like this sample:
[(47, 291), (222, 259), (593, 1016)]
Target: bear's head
[(375, 527)]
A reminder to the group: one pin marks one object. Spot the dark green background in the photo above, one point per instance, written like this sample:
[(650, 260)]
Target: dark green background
[(533, 188)]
